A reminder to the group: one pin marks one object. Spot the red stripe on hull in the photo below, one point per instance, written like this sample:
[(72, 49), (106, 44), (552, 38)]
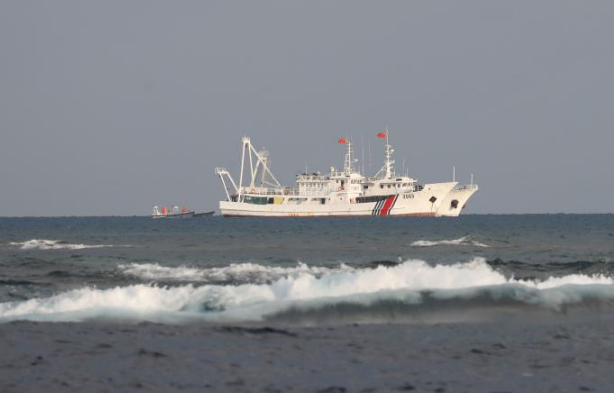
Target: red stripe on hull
[(387, 206)]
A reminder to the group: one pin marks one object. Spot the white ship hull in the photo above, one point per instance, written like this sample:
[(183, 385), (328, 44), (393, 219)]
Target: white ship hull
[(403, 204), (456, 201), (184, 215)]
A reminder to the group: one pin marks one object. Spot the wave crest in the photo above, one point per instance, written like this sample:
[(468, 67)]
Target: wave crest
[(411, 284), (47, 244), (233, 273), (466, 240)]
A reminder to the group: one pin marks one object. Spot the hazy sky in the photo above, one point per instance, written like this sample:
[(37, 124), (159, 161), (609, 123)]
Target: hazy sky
[(109, 107)]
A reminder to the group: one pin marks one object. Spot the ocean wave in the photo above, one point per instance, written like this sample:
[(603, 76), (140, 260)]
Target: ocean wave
[(233, 273), (534, 270), (412, 284), (47, 244), (466, 240)]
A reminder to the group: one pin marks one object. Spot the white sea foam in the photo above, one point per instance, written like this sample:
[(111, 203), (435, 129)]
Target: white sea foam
[(466, 240), (46, 244), (405, 283), (244, 272)]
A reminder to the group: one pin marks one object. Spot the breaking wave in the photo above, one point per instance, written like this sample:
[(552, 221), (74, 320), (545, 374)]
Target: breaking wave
[(408, 287), (233, 273), (46, 244), (466, 240)]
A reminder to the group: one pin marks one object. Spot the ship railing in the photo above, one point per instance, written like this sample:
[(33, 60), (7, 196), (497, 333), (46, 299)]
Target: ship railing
[(311, 193), (260, 191), (338, 174), (311, 177), (467, 187)]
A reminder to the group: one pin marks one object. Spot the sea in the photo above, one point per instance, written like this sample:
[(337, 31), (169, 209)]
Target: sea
[(304, 272)]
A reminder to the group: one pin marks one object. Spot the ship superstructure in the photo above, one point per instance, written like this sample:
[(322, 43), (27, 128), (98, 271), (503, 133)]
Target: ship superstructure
[(344, 192)]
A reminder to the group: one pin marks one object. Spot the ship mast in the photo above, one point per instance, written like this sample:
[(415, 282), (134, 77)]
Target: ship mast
[(348, 166), (389, 162), (259, 164), (387, 169)]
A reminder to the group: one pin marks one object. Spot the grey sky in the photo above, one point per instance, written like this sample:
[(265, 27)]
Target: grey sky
[(109, 107)]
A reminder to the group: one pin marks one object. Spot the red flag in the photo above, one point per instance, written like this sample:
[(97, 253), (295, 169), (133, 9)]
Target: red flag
[(383, 134), (342, 140)]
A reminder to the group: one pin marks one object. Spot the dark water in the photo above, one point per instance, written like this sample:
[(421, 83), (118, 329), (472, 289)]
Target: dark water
[(303, 270)]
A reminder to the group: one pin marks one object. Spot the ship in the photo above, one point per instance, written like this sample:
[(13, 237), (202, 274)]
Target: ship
[(174, 213), (344, 192)]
